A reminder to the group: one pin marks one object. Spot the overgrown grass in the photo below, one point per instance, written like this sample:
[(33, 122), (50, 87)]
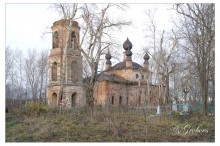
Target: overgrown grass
[(103, 125)]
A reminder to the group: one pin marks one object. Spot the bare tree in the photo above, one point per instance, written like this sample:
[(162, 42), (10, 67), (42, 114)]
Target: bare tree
[(95, 31), (32, 72), (9, 76), (164, 45), (9, 62), (197, 26), (25, 75), (42, 69), (14, 73), (20, 79)]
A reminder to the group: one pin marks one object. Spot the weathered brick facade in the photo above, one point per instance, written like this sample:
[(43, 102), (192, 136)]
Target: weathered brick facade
[(132, 93), (73, 92), (126, 83)]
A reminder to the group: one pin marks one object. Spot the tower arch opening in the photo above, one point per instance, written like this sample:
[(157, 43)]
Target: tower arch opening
[(73, 99), (55, 40), (54, 71), (72, 40), (74, 67), (54, 99)]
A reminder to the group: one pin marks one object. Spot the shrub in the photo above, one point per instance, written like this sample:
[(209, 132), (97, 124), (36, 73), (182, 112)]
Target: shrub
[(175, 113), (33, 108)]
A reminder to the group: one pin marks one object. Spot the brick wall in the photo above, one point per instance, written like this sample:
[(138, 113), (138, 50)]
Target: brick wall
[(130, 94)]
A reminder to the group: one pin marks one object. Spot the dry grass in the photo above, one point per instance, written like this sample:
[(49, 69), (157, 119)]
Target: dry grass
[(103, 125)]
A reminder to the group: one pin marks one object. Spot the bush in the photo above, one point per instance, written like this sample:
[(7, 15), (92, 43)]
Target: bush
[(175, 113), (33, 108)]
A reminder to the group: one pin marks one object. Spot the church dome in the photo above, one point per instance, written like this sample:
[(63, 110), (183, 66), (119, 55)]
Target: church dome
[(128, 53), (127, 45), (108, 56), (146, 56)]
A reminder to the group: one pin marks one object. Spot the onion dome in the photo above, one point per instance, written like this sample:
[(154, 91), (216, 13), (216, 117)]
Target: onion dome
[(108, 57), (128, 53), (108, 62), (127, 45), (146, 56)]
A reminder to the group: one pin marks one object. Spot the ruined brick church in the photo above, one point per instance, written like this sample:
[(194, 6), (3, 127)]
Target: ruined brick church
[(125, 84)]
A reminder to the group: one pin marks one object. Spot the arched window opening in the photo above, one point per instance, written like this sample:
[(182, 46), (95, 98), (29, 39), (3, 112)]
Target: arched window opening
[(61, 96), (74, 68), (55, 40), (139, 100), (112, 101), (54, 99), (54, 71), (140, 91), (60, 102), (120, 100), (137, 76), (73, 99), (72, 40)]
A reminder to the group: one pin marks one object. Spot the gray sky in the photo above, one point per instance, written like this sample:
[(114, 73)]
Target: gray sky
[(25, 24)]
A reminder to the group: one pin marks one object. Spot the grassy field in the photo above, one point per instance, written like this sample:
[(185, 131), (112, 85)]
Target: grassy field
[(104, 125)]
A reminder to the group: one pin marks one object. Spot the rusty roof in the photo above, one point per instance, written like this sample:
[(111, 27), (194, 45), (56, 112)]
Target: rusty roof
[(113, 78), (122, 65)]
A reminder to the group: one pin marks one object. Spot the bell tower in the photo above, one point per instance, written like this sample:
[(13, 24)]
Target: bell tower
[(65, 85)]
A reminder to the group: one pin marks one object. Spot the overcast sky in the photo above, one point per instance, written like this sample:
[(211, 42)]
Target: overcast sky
[(26, 23)]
